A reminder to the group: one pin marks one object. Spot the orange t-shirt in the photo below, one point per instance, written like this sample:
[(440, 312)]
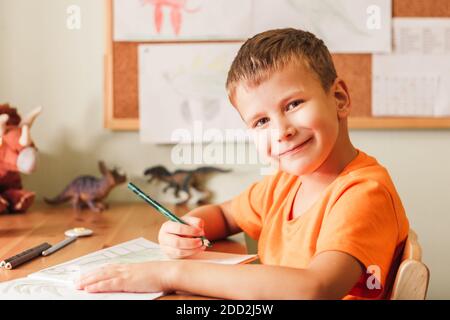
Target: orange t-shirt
[(359, 213)]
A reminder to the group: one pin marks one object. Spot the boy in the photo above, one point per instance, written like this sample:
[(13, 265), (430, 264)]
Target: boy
[(329, 222)]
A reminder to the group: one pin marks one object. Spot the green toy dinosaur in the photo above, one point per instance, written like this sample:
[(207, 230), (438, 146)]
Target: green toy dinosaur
[(182, 179)]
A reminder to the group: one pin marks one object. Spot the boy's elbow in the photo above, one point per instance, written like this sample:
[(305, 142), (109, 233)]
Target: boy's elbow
[(315, 291), (318, 290)]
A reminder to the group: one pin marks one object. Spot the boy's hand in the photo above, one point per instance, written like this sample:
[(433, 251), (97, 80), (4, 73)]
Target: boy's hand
[(134, 277), (178, 240)]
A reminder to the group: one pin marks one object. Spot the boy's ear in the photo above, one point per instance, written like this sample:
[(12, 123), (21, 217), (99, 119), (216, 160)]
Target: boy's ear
[(342, 98)]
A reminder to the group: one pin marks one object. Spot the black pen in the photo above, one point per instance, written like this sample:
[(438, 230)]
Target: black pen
[(25, 256)]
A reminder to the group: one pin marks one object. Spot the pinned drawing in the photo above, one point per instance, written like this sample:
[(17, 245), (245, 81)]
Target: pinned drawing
[(181, 85), (176, 8), (344, 25), (201, 90), (146, 20)]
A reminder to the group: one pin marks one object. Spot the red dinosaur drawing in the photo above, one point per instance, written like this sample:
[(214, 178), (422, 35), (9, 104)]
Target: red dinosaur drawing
[(17, 155), (176, 7)]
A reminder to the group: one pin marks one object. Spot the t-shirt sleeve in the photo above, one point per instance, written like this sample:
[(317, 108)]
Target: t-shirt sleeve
[(249, 207), (362, 223)]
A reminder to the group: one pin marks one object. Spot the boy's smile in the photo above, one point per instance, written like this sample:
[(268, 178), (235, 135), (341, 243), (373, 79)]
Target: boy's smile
[(296, 123), (296, 148)]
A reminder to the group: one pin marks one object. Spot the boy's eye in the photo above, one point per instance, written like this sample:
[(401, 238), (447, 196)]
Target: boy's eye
[(260, 122), (294, 104)]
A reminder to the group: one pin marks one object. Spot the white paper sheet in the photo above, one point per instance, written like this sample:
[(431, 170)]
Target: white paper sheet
[(33, 289), (415, 79), (137, 20), (182, 87), (56, 282), (134, 251), (424, 36), (344, 25)]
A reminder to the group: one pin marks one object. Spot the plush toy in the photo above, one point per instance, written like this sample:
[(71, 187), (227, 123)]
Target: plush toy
[(17, 155)]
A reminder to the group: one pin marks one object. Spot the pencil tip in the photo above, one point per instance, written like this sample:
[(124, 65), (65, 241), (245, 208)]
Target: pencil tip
[(207, 243)]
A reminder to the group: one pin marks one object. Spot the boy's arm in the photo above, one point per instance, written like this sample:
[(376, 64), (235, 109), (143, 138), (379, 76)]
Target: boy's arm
[(331, 275), (218, 219)]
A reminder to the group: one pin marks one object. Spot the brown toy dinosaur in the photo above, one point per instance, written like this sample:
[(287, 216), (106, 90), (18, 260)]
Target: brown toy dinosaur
[(88, 191), (181, 179)]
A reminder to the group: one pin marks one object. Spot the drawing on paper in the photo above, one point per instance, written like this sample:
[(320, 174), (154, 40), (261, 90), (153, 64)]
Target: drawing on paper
[(344, 25), (326, 10), (176, 8), (146, 20), (33, 289), (199, 85), (28, 287), (55, 283), (139, 250), (181, 85), (209, 110)]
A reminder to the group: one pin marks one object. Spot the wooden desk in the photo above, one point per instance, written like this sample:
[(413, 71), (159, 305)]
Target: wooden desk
[(120, 223)]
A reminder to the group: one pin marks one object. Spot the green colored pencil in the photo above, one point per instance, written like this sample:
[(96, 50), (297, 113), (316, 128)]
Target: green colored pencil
[(169, 215)]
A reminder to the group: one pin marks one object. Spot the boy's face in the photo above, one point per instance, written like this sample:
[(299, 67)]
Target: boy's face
[(295, 122)]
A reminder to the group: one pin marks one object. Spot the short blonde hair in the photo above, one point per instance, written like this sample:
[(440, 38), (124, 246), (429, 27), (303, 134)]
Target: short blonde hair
[(270, 51)]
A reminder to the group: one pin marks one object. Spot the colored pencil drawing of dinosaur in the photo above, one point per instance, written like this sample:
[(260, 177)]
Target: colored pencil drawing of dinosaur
[(175, 6)]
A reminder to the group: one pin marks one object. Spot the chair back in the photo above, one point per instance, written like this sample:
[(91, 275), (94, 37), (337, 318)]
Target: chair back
[(413, 276)]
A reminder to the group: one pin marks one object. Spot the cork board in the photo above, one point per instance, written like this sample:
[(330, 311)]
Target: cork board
[(121, 110)]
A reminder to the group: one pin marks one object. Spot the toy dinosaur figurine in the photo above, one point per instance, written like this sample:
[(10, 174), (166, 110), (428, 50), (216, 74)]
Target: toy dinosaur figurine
[(89, 191), (17, 155), (188, 181)]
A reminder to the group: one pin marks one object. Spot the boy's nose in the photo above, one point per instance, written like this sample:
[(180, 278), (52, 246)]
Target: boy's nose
[(285, 132)]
